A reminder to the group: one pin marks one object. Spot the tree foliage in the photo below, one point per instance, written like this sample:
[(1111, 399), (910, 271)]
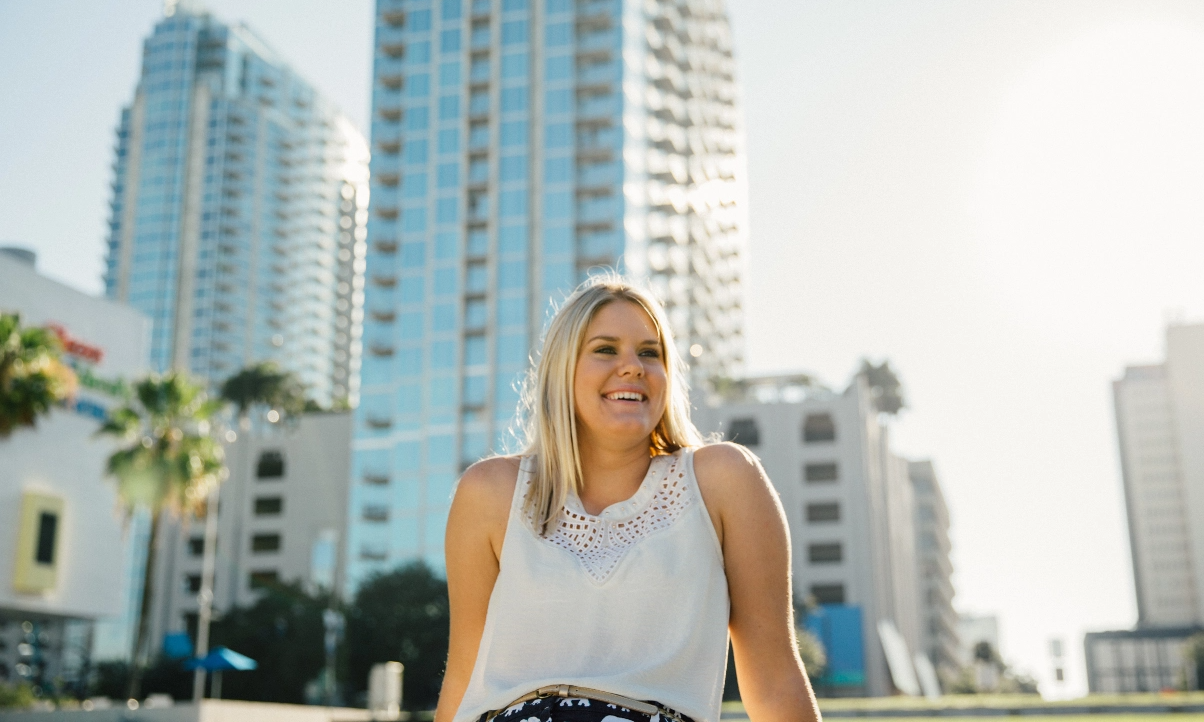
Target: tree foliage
[(169, 458), (267, 384), (283, 632), (885, 386), (401, 616), (33, 377), (1194, 651)]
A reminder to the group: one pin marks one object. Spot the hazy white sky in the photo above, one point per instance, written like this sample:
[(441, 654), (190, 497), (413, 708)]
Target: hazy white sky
[(1004, 198)]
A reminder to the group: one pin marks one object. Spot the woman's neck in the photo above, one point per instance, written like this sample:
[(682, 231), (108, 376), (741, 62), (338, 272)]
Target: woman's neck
[(611, 474)]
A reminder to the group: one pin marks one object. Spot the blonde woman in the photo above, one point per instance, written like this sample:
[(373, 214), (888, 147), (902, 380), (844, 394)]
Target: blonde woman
[(597, 577)]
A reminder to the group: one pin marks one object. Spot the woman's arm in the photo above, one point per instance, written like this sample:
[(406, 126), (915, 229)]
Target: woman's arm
[(476, 528), (756, 557)]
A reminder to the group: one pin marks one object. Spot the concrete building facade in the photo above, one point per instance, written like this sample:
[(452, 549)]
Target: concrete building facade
[(518, 145), (851, 511), (1159, 422), (939, 623), (238, 211), (65, 551), (281, 519)]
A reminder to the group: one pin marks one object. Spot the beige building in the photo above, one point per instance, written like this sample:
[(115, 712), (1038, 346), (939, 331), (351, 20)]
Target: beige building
[(282, 518), (851, 509), (1160, 425)]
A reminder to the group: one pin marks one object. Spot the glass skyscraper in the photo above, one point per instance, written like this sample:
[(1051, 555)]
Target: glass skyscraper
[(239, 210), (516, 146)]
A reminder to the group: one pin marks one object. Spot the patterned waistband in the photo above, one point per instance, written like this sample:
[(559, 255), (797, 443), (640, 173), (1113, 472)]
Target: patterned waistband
[(569, 703)]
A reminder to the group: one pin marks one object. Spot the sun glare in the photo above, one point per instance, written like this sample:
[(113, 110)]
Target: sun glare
[(1090, 195)]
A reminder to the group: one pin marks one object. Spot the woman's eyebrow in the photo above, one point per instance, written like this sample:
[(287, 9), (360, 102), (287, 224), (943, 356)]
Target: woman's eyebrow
[(615, 339)]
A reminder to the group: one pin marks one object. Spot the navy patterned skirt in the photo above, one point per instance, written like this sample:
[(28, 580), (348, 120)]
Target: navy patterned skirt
[(573, 709)]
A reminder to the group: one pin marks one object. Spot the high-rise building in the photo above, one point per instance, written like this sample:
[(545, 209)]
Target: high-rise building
[(238, 211), (852, 512), (518, 144), (1160, 422), (939, 622)]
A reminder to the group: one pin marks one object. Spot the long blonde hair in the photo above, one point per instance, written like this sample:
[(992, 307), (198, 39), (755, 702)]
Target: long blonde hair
[(549, 417)]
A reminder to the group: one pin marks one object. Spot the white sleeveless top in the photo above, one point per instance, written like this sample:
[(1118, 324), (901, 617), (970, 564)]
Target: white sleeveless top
[(633, 601)]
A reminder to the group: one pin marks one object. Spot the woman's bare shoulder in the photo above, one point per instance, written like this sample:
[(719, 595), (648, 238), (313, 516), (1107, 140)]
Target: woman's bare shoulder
[(489, 482), (729, 473)]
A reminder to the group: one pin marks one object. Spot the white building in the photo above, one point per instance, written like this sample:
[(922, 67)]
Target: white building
[(64, 556), (850, 508), (939, 622), (282, 518), (1160, 424)]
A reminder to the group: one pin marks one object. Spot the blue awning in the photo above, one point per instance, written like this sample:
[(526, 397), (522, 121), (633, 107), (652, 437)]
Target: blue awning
[(222, 659)]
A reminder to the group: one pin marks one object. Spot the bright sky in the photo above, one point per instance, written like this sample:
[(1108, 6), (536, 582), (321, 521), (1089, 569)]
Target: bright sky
[(1002, 198)]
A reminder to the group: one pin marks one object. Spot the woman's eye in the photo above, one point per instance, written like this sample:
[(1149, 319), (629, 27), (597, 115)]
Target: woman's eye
[(650, 353), (605, 349)]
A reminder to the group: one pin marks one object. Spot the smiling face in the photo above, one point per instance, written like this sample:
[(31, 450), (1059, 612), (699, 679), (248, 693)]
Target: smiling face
[(620, 384)]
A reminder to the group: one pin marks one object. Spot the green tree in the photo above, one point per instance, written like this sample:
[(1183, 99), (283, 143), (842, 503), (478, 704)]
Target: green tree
[(265, 384), (401, 616), (812, 652), (283, 632), (33, 378), (168, 463), (884, 385), (1194, 650)]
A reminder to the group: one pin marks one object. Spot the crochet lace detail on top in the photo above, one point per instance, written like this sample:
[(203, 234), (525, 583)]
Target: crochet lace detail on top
[(601, 542)]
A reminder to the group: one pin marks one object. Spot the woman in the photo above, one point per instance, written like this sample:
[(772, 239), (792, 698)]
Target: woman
[(596, 578)]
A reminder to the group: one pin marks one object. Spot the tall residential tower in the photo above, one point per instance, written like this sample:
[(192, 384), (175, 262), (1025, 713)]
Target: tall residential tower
[(518, 144), (238, 212)]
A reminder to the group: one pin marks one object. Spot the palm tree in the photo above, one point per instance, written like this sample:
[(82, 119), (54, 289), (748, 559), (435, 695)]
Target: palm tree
[(265, 384), (885, 387), (32, 377), (169, 463)]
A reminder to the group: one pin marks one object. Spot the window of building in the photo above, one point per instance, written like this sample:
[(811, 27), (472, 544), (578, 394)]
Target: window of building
[(818, 427), (196, 546), (828, 511), (264, 543), (820, 473), (828, 593), (269, 505), (264, 577), (271, 465), (827, 553), (743, 431), (376, 512), (192, 583)]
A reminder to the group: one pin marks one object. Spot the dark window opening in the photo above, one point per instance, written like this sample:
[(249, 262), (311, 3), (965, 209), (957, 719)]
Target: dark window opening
[(192, 583), (264, 577), (261, 543), (828, 593), (818, 427), (376, 512), (269, 505), (820, 473), (743, 431), (196, 546), (823, 512), (825, 553), (48, 524), (271, 465)]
